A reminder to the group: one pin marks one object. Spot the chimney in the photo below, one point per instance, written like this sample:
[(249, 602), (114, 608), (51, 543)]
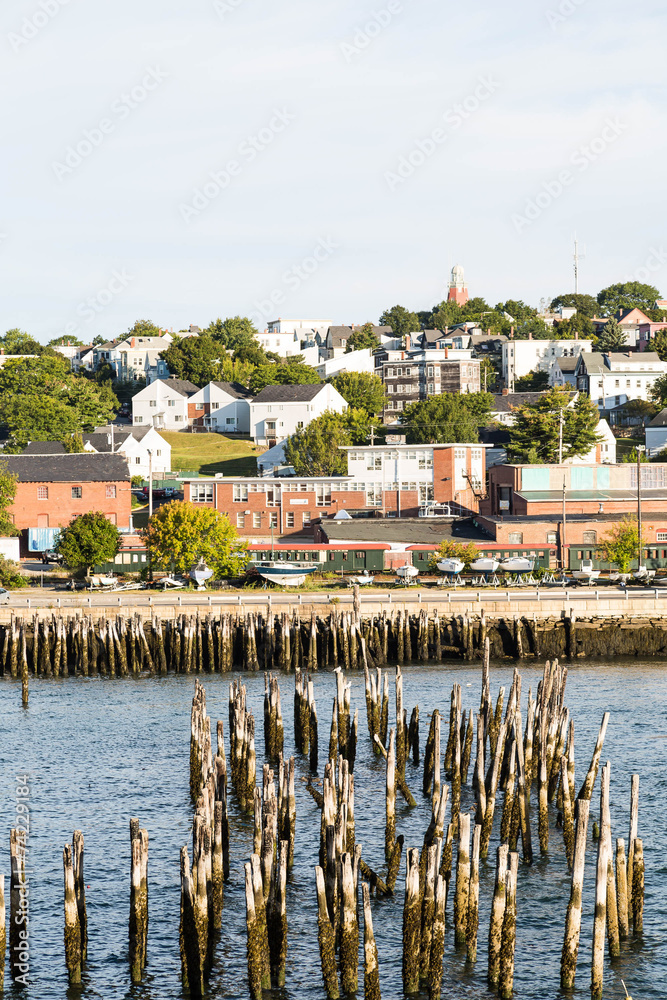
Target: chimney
[(576, 335), (133, 342), (530, 335), (407, 341), (446, 351), (506, 391), (511, 331)]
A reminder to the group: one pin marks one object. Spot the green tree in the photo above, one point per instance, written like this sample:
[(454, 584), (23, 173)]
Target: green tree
[(621, 544), (447, 418), (535, 381), (534, 436), (627, 295), (7, 495), (196, 359), (74, 444), (612, 337), (315, 449), (400, 320), (284, 373), (362, 390), (143, 328), (179, 534), (568, 329), (125, 389), (449, 549), (659, 344), (65, 341), (444, 315), (586, 305), (233, 331), (36, 418), (658, 392), (488, 374), (17, 341), (363, 338), (87, 541), (517, 309), (361, 427)]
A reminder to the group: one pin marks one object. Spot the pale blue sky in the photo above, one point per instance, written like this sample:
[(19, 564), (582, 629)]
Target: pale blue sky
[(337, 114)]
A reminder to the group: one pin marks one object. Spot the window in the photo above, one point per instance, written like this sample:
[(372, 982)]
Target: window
[(201, 492), (257, 519), (323, 495), (273, 519), (77, 493), (661, 536), (178, 417), (431, 388), (360, 554), (425, 459), (332, 556), (299, 425), (215, 406), (111, 492), (306, 517), (137, 460), (373, 460), (240, 520), (590, 537), (199, 406), (515, 538), (158, 452), (373, 495), (289, 519), (138, 420), (230, 420), (171, 402), (240, 492), (153, 402), (42, 492), (425, 493), (552, 537)]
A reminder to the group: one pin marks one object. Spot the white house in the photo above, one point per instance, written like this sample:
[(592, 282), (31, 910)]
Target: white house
[(613, 379), (134, 357), (338, 336), (519, 357), (305, 328), (280, 410), (222, 407), (656, 434), (137, 444), (285, 343), (355, 361), (163, 404)]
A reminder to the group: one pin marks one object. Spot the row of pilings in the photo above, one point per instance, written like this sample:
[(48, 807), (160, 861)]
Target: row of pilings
[(59, 645)]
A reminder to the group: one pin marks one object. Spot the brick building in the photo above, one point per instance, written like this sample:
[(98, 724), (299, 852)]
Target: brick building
[(383, 481), (53, 489), (409, 377)]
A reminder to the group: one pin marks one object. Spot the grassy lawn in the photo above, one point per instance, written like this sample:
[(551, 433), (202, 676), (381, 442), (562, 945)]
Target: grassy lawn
[(625, 446), (211, 453)]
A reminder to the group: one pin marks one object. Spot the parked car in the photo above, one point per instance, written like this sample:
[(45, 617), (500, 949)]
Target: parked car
[(4, 596), (51, 557)]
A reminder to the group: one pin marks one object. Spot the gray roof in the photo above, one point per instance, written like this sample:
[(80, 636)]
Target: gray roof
[(567, 365), (234, 389), (44, 448), (77, 468), (502, 402), (288, 393), (181, 385), (101, 439), (595, 362), (403, 530), (659, 420), (431, 336)]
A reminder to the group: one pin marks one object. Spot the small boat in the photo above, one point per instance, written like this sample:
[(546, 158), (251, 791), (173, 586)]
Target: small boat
[(450, 565), (101, 581), (285, 574), (643, 573), (586, 573), (172, 582), (363, 580), (484, 565), (407, 572), (517, 564), (200, 574)]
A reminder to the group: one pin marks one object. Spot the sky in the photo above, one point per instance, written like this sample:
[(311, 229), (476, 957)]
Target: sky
[(179, 161)]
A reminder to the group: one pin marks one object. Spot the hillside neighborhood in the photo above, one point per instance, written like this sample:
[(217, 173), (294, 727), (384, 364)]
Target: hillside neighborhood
[(521, 433)]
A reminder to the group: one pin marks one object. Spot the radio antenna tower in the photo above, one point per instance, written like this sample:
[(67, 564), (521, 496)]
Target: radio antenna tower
[(577, 256)]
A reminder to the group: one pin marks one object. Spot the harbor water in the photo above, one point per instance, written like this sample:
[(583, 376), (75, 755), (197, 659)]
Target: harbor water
[(98, 751)]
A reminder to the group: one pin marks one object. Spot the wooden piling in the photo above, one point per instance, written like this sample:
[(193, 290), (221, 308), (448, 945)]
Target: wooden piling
[(349, 927), (622, 890), (497, 914), (473, 898), (568, 965), (79, 890), (599, 922), (371, 970), (462, 880), (411, 923), (506, 976), (72, 926), (138, 924), (638, 888), (326, 939)]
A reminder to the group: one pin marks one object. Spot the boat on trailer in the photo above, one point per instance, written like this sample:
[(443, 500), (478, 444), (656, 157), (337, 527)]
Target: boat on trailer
[(450, 565), (517, 564), (586, 573), (284, 574)]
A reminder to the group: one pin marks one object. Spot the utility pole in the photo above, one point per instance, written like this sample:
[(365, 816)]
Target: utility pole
[(640, 449), (563, 541), (561, 420), (150, 483)]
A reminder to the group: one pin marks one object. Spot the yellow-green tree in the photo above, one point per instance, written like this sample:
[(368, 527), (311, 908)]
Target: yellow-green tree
[(449, 549), (179, 534), (621, 544)]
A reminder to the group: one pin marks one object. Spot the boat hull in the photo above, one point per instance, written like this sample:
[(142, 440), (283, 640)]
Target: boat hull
[(484, 565), (450, 565)]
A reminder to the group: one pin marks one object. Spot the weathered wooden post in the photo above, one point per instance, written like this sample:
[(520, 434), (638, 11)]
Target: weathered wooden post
[(473, 898), (349, 927), (497, 914), (462, 880), (138, 900), (390, 808), (72, 926), (506, 977), (568, 963), (599, 922), (326, 939), (411, 923), (638, 888), (622, 889), (437, 940), (371, 970), (80, 890)]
